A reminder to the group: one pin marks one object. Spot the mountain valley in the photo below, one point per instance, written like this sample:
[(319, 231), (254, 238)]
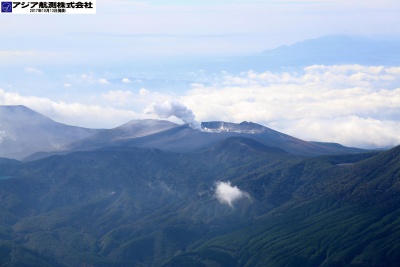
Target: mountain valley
[(234, 195)]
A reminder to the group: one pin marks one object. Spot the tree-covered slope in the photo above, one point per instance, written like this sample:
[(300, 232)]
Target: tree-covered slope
[(323, 232), (338, 215), (146, 207)]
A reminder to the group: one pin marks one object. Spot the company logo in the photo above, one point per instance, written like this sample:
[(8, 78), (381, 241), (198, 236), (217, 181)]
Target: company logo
[(18, 7), (6, 7)]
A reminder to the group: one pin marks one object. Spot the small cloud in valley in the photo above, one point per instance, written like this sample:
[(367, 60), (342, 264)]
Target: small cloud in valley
[(228, 194)]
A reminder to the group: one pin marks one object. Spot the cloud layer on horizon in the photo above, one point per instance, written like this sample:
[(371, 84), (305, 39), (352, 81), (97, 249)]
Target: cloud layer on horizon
[(350, 104)]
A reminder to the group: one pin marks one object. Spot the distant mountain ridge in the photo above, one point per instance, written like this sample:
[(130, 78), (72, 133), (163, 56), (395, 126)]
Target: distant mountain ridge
[(183, 138), (339, 49), (132, 129), (324, 50), (30, 135), (24, 131)]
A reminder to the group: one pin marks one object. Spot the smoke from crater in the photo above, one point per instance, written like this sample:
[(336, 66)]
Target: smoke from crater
[(168, 109)]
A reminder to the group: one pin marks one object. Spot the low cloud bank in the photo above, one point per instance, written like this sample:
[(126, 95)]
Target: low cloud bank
[(349, 104), (353, 105)]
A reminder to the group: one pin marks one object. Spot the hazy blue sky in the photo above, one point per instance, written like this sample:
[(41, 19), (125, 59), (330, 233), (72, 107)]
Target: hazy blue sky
[(105, 69), (143, 28)]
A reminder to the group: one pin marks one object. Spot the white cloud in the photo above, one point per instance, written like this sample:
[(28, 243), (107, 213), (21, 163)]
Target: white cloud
[(138, 100), (33, 71), (90, 78), (85, 115), (351, 104), (144, 92), (67, 85), (328, 98), (126, 80), (227, 194), (350, 130), (104, 110), (119, 97), (84, 78), (103, 81)]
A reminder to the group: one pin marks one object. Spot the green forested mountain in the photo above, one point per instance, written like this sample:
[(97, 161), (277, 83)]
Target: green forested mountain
[(127, 206)]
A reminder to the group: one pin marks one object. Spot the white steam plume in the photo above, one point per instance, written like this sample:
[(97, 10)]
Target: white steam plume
[(227, 194), (168, 109)]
